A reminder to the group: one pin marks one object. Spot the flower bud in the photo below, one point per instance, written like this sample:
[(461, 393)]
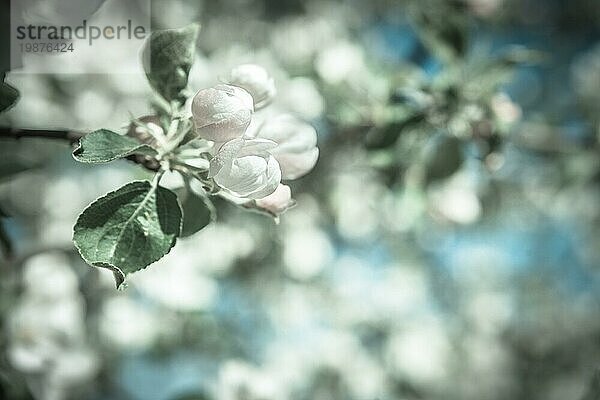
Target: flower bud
[(296, 149), (246, 168), (278, 201), (222, 113), (146, 129), (256, 80)]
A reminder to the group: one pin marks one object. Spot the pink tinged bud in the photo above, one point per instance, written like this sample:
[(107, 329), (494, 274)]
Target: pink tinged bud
[(222, 113), (278, 201)]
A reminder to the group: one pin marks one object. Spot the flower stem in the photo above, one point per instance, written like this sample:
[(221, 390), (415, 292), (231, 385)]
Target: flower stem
[(159, 174)]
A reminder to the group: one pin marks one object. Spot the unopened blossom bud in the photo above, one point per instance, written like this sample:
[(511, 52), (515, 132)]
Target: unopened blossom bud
[(278, 201), (296, 150), (256, 80), (246, 168), (222, 113), (147, 130)]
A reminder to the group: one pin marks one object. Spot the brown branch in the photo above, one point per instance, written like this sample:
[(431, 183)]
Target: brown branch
[(66, 135), (72, 137)]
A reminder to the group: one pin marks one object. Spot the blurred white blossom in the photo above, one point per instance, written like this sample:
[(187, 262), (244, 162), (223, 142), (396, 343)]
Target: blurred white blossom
[(126, 323), (485, 8), (256, 80), (47, 330), (178, 283), (301, 96), (586, 76), (355, 198), (296, 149), (340, 62), (421, 352), (457, 200), (239, 380), (505, 109), (302, 264)]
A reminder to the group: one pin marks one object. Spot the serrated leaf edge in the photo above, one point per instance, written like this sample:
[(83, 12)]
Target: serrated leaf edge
[(118, 273)]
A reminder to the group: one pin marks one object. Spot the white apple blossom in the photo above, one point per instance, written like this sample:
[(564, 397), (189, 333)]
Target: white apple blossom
[(246, 168), (222, 113), (296, 150), (343, 61), (278, 201), (256, 80), (301, 96)]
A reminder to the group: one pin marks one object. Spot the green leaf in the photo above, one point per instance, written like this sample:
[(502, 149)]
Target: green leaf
[(8, 96), (387, 135), (6, 244), (128, 229), (168, 57), (103, 146), (442, 157), (198, 212), (442, 27)]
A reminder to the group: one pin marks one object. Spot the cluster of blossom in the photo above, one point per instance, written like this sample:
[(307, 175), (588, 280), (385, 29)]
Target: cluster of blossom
[(253, 165), (47, 332)]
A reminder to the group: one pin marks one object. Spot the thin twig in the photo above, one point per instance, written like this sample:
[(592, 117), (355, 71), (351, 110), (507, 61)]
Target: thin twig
[(66, 135), (72, 137)]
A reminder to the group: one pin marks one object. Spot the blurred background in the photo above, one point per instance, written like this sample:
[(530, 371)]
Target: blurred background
[(447, 245)]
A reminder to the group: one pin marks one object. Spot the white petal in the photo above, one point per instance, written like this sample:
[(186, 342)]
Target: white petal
[(294, 166), (291, 134), (272, 180), (225, 156), (247, 176), (256, 80), (222, 113), (257, 147), (278, 201)]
